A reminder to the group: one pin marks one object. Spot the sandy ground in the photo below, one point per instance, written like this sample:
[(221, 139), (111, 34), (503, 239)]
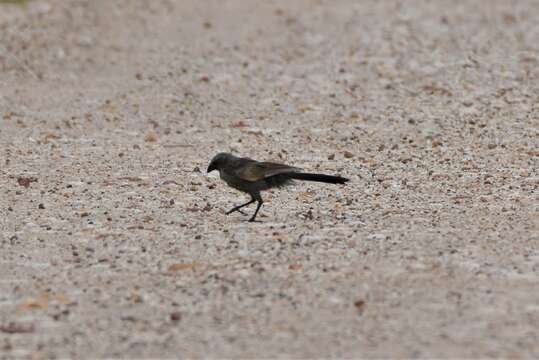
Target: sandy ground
[(114, 241)]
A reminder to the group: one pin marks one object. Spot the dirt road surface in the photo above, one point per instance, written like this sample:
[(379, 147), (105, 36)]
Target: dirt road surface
[(114, 241)]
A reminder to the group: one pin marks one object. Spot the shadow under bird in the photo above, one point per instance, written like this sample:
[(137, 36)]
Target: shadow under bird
[(252, 177)]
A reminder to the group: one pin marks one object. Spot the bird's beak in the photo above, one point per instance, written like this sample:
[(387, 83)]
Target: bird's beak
[(211, 167)]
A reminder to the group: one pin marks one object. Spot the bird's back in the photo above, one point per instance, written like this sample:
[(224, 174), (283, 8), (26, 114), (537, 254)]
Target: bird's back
[(250, 175)]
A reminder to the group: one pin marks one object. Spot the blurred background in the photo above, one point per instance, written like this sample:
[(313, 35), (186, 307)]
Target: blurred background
[(113, 239)]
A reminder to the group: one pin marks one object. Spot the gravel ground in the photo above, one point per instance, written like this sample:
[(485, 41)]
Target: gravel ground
[(114, 241)]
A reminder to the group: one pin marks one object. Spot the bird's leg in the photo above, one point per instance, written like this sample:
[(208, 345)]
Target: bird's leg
[(237, 208), (260, 202)]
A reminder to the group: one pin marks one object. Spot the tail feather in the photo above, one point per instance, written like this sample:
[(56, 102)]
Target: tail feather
[(319, 177)]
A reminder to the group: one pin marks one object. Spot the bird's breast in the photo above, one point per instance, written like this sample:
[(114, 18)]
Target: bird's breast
[(231, 180)]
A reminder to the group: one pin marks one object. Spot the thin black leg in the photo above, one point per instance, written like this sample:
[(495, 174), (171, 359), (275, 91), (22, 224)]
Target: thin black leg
[(237, 208), (260, 202)]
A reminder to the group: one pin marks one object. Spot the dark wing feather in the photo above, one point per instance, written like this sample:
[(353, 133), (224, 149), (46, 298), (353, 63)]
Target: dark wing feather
[(272, 169), (251, 170)]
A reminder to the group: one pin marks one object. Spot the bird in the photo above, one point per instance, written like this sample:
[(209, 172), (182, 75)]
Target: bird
[(252, 177)]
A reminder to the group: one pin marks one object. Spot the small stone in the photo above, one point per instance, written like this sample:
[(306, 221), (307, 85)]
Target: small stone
[(436, 143), (360, 306), (25, 181), (405, 159), (150, 136), (347, 154), (182, 266), (176, 316), (17, 328)]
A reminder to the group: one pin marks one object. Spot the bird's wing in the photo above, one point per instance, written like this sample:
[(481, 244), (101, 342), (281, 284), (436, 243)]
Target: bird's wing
[(251, 170), (271, 169)]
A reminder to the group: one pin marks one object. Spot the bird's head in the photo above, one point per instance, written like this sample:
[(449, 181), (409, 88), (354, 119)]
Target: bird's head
[(219, 161)]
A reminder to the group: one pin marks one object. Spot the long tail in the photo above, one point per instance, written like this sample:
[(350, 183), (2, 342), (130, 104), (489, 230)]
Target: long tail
[(319, 177)]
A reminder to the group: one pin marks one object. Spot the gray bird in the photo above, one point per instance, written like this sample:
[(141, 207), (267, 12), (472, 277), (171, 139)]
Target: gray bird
[(252, 177)]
